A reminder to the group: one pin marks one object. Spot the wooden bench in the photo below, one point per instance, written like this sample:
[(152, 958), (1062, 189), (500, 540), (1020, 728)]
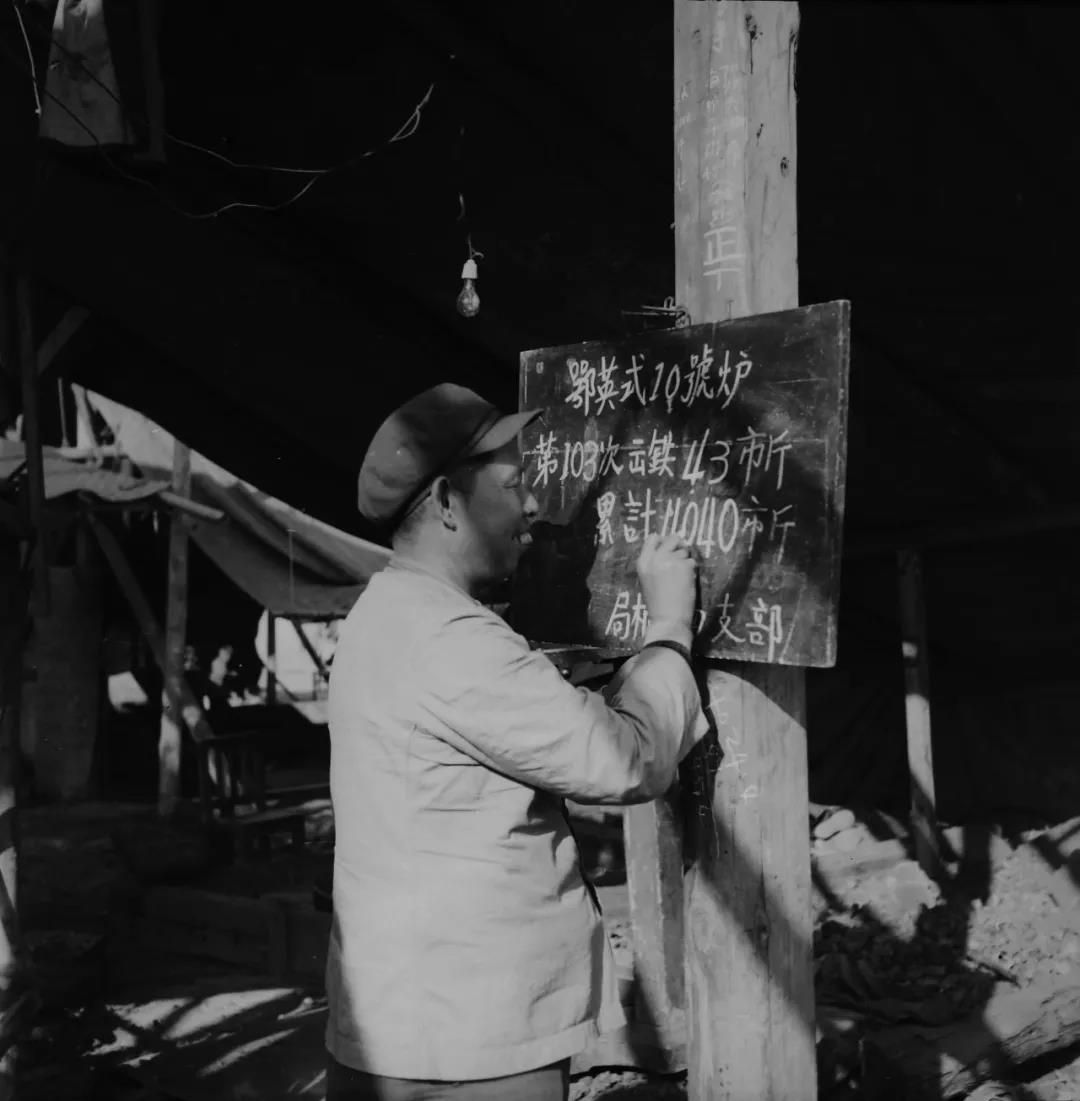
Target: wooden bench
[(234, 797)]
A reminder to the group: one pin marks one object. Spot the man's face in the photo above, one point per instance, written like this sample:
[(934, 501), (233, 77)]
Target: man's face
[(496, 516)]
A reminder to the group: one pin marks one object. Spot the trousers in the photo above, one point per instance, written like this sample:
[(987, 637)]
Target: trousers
[(550, 1083)]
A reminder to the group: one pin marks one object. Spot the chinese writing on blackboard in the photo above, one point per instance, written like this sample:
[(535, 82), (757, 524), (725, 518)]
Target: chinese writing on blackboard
[(728, 435)]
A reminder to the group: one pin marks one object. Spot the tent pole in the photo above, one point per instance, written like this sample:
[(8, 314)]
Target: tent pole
[(271, 657), (170, 737)]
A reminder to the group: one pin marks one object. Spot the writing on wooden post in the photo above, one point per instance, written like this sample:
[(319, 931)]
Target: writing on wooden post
[(730, 434)]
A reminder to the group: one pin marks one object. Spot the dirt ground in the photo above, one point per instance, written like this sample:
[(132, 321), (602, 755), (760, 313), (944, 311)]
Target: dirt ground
[(891, 946)]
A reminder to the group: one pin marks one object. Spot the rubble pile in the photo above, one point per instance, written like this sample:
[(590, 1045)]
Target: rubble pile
[(863, 967), (936, 961), (893, 947), (1022, 928)]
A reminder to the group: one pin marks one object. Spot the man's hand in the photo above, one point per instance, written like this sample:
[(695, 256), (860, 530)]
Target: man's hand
[(668, 575)]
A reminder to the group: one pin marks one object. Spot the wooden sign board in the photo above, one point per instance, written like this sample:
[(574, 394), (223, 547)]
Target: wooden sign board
[(732, 434)]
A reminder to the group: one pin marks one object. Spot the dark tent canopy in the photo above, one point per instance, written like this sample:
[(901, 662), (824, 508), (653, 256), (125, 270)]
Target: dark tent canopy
[(931, 192), (937, 155)]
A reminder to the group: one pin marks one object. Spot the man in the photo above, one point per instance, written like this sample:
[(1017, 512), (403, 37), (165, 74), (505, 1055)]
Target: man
[(468, 958)]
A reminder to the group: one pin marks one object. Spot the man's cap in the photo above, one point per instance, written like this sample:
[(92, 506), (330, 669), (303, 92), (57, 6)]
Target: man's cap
[(424, 438)]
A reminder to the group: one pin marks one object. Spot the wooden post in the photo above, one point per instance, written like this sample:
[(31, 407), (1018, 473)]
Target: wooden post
[(749, 976), (65, 437), (72, 321), (51, 346), (917, 704), (85, 437), (61, 706), (149, 29), (271, 657), (13, 614), (170, 739), (32, 437)]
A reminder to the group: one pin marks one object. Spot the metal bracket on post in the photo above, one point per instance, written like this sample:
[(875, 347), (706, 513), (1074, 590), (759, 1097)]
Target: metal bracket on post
[(668, 316)]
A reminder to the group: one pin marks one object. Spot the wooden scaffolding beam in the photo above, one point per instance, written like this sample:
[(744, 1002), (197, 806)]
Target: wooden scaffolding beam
[(182, 701)]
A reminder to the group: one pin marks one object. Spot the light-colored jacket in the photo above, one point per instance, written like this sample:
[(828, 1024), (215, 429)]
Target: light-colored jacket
[(465, 943)]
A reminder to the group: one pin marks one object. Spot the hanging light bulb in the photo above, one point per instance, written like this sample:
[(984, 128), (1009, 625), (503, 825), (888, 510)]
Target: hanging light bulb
[(468, 301)]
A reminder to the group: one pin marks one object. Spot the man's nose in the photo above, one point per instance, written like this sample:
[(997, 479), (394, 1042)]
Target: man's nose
[(530, 506)]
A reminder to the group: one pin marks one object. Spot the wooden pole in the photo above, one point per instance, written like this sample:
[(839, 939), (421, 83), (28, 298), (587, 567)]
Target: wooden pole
[(149, 29), (65, 439), (32, 437), (72, 321), (13, 616), (749, 975), (917, 705), (85, 436), (271, 657), (170, 739), (312, 653)]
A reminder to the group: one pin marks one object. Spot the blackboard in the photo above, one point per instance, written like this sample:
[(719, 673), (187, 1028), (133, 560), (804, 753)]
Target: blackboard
[(734, 435)]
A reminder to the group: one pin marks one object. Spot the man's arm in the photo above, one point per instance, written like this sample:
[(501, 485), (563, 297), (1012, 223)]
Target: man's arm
[(508, 707)]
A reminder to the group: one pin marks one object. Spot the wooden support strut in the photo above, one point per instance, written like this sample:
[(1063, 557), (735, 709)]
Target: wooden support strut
[(170, 740), (312, 653), (54, 343), (271, 657), (748, 944), (184, 703)]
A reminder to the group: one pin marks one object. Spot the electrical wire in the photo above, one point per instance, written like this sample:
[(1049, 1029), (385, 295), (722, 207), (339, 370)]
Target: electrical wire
[(30, 56), (246, 165), (104, 155), (406, 130), (474, 254), (238, 204)]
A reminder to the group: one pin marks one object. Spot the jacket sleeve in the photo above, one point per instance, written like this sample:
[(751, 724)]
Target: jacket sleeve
[(486, 693)]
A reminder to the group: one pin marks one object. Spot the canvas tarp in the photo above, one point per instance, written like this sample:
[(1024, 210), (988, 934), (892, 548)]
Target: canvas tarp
[(65, 474), (287, 561)]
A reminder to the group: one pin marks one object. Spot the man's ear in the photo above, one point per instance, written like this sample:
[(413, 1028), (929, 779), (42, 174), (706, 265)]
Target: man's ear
[(442, 495)]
